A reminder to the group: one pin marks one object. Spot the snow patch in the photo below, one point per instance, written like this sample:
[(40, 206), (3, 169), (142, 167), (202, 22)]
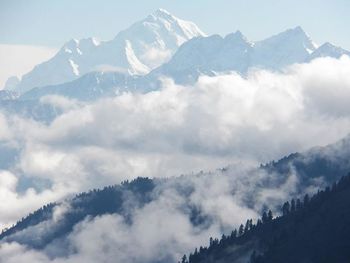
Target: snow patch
[(79, 51), (136, 66), (75, 67)]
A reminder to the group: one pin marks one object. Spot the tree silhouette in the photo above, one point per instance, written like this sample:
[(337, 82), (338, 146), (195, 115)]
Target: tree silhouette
[(241, 230), (269, 216), (292, 206), (286, 208)]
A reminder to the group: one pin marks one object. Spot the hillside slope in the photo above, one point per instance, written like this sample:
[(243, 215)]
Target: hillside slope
[(314, 230)]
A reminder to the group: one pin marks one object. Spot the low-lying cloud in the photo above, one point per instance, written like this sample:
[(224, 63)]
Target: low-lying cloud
[(178, 129), (160, 231)]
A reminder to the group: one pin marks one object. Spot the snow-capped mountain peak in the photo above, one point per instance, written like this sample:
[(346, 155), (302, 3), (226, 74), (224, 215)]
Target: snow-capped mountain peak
[(298, 34), (237, 34), (200, 55), (156, 38), (328, 50), (210, 54), (87, 43), (138, 49), (71, 47), (294, 36), (238, 38), (71, 43), (285, 48), (75, 46), (162, 13), (189, 29), (151, 47)]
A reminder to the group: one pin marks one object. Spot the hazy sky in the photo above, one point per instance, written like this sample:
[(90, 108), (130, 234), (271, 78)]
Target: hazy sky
[(51, 23)]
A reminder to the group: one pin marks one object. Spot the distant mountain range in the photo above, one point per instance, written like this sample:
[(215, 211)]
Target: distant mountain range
[(161, 45), (136, 50)]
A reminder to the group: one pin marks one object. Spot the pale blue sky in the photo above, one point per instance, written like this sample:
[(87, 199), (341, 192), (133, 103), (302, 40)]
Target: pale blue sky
[(52, 22)]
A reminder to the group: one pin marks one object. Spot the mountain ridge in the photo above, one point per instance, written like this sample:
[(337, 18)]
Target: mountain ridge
[(164, 45), (200, 56), (135, 51), (114, 199), (312, 229)]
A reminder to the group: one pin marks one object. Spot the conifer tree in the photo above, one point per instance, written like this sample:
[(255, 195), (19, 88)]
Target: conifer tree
[(292, 206), (269, 216), (241, 230), (286, 208), (264, 218)]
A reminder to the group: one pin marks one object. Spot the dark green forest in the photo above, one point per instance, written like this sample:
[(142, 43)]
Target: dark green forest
[(315, 229)]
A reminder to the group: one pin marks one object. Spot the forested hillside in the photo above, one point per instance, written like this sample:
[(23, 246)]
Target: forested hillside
[(313, 230)]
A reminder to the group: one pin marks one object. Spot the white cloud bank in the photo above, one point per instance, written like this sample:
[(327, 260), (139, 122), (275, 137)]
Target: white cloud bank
[(178, 129), (17, 60), (161, 231)]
